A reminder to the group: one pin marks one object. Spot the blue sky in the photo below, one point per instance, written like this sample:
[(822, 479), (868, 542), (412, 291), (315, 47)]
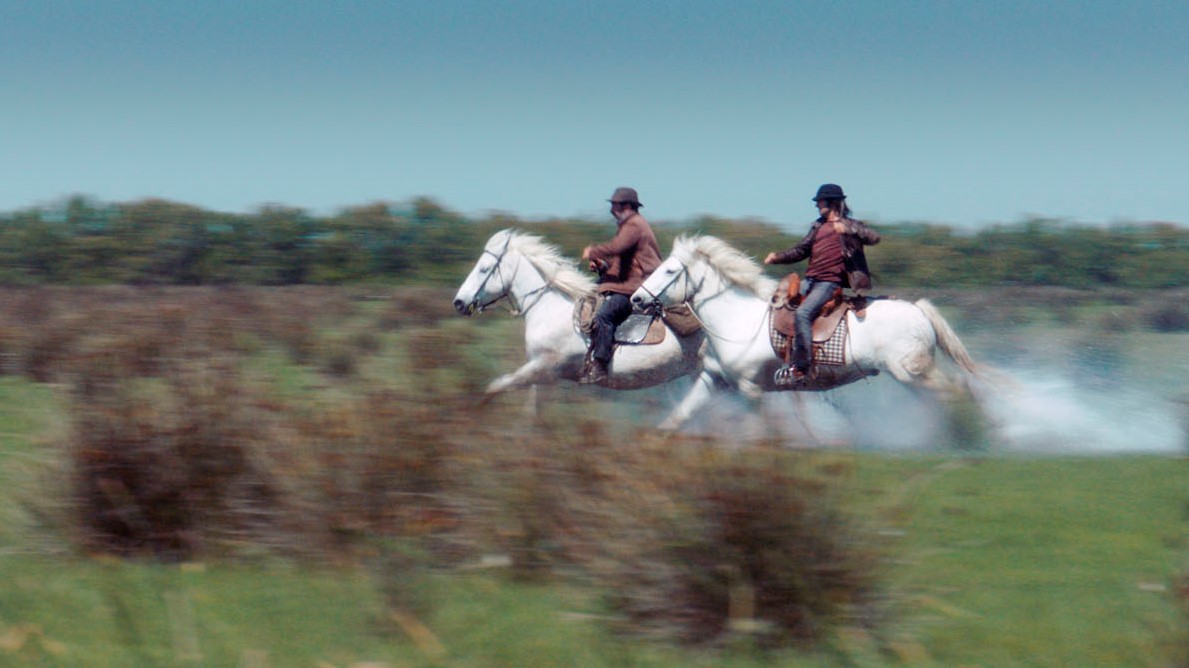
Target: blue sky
[(963, 113)]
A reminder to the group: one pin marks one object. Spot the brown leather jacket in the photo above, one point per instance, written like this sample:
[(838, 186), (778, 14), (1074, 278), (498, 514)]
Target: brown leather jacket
[(629, 257), (856, 236)]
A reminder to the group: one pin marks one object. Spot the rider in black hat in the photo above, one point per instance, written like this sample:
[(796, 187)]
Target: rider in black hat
[(834, 246)]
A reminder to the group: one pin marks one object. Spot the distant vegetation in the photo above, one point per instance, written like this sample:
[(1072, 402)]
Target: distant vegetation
[(157, 242)]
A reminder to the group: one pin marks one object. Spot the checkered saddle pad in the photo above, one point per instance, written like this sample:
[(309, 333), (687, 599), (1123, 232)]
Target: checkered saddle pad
[(829, 352)]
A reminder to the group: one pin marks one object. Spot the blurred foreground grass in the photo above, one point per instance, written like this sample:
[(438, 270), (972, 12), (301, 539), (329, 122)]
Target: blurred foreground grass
[(1002, 563), (991, 561)]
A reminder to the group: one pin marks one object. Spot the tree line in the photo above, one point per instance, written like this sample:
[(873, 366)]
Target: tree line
[(159, 242)]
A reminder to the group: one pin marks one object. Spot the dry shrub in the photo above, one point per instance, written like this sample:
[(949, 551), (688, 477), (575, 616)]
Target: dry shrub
[(1167, 315), (379, 466), (203, 463), (10, 345), (134, 329), (48, 347), (291, 329), (1179, 638), (366, 342), (715, 542), (170, 468), (417, 307), (692, 541), (528, 494), (440, 361), (340, 360), (175, 453)]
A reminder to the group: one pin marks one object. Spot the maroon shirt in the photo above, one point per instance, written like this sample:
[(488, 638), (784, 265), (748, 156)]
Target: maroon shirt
[(826, 262), (852, 241)]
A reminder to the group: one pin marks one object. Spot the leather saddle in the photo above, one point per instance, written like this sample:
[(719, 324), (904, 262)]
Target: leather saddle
[(640, 329), (783, 309)]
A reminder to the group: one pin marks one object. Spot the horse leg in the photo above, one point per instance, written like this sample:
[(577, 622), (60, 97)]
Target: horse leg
[(532, 403), (533, 371), (698, 394), (802, 418), (966, 423)]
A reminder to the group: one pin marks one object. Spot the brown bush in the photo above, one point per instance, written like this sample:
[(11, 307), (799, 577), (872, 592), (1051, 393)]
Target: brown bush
[(1179, 638), (201, 463), (1170, 315), (379, 466), (417, 307), (169, 468), (693, 542), (176, 451), (744, 541)]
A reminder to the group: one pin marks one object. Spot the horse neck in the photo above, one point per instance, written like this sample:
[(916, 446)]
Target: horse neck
[(730, 303), (530, 290), (524, 278), (712, 288), (727, 305)]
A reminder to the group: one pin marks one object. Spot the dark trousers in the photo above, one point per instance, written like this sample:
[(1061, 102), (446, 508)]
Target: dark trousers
[(816, 296), (615, 309)]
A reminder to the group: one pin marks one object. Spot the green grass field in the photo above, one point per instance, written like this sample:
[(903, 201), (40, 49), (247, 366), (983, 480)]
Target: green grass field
[(992, 562)]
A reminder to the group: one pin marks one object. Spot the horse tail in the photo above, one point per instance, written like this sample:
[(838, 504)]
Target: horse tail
[(947, 339)]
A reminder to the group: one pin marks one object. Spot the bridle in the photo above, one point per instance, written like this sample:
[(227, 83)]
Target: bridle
[(516, 309), (655, 306)]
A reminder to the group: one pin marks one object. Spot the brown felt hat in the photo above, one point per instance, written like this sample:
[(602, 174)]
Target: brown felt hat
[(625, 195)]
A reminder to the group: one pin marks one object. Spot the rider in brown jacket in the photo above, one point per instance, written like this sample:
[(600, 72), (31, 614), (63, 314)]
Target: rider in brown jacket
[(834, 246), (623, 264)]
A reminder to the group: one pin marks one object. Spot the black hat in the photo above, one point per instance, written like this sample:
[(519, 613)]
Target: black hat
[(625, 195), (829, 191)]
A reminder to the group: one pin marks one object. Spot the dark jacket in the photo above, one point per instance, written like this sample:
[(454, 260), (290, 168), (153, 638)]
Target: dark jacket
[(856, 236), (630, 256)]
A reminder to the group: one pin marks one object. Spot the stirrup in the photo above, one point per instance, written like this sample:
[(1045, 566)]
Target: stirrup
[(787, 376)]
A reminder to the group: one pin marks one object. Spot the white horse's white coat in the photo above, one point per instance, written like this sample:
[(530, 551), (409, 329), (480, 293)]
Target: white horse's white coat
[(542, 286), (730, 294)]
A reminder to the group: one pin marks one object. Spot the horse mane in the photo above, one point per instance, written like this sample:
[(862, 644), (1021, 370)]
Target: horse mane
[(735, 266), (558, 270)]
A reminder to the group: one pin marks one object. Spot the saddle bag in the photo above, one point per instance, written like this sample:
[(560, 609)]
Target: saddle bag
[(681, 319)]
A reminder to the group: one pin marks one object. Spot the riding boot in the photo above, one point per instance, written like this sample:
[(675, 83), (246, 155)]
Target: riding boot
[(594, 371)]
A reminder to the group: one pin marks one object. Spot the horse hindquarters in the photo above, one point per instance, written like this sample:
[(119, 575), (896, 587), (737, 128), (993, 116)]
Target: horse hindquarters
[(912, 335), (896, 337), (947, 339)]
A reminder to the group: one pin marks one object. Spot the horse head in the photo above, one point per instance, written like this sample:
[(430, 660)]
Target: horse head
[(491, 277), (696, 261), (498, 274), (670, 283)]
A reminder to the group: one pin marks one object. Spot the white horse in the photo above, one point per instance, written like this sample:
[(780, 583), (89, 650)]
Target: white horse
[(542, 286), (730, 294)]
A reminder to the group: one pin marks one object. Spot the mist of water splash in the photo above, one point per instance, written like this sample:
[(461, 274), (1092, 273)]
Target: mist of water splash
[(1049, 413), (1030, 412)]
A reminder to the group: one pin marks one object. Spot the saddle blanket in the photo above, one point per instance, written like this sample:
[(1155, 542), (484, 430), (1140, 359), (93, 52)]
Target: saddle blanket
[(829, 352)]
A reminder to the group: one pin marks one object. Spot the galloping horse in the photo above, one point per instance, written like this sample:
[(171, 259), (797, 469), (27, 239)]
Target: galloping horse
[(542, 286), (729, 293)]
